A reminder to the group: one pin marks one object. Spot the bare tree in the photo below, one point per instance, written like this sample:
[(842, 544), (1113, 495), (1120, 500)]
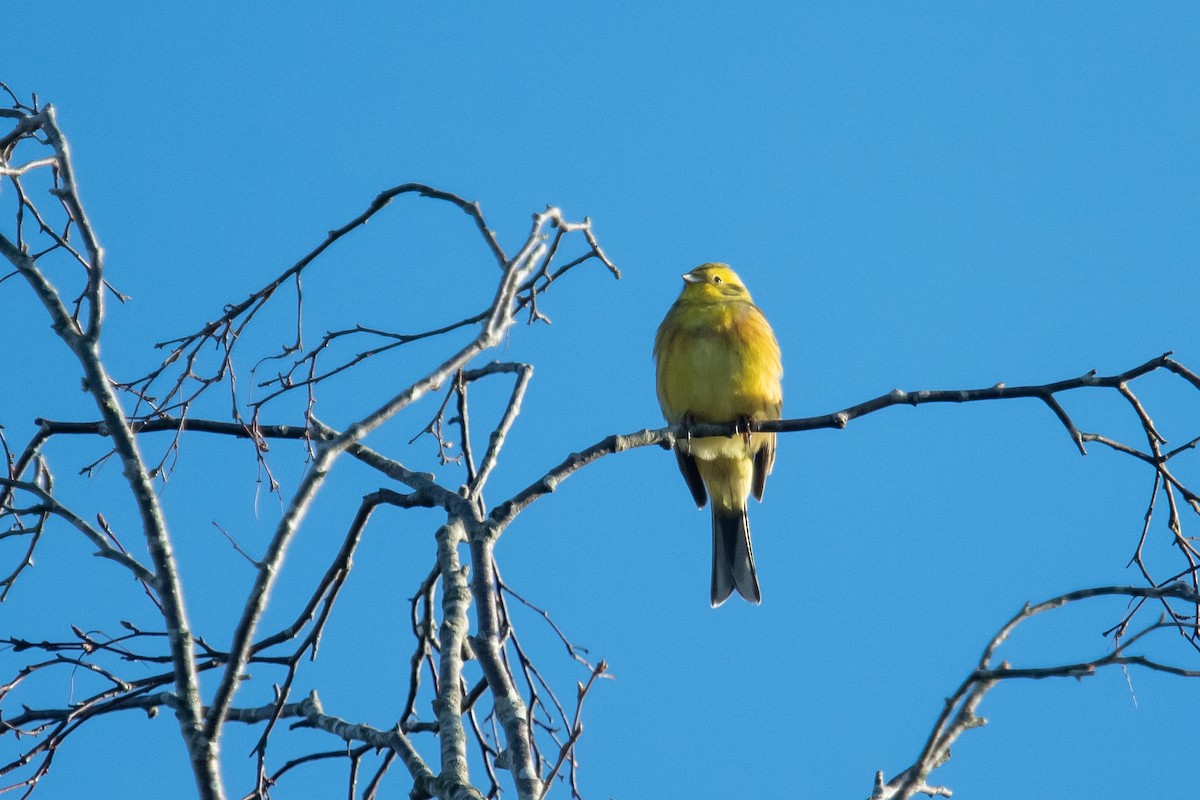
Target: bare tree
[(487, 690)]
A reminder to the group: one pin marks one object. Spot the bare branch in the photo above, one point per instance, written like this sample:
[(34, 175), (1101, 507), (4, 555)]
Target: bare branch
[(576, 725), (84, 344), (959, 715), (103, 549)]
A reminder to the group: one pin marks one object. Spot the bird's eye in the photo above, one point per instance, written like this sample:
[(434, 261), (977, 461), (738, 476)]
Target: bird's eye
[(717, 279)]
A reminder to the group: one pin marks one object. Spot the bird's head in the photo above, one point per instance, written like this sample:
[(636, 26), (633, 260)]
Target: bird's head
[(712, 283)]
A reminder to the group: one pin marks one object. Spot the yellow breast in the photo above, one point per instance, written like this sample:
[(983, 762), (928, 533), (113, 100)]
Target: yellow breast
[(718, 362)]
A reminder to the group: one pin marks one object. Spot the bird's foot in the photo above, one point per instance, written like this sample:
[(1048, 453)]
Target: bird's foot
[(742, 425), (687, 422)]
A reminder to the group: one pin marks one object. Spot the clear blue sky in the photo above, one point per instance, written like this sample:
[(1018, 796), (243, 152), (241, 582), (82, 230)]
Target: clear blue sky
[(937, 195)]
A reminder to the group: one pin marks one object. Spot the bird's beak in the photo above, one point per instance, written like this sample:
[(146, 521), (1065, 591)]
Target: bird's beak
[(690, 278)]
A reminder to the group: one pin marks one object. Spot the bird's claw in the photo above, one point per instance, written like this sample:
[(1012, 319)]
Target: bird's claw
[(742, 426), (687, 422)]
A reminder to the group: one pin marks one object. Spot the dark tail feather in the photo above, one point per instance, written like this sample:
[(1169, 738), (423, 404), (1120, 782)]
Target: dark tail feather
[(733, 557)]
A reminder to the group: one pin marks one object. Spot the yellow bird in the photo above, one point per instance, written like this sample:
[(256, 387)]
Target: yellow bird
[(717, 360)]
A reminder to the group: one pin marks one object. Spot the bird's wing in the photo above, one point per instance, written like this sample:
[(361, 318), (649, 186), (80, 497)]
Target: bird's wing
[(764, 459), (691, 474)]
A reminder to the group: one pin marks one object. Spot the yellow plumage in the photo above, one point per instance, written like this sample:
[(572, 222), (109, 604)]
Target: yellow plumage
[(717, 361)]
